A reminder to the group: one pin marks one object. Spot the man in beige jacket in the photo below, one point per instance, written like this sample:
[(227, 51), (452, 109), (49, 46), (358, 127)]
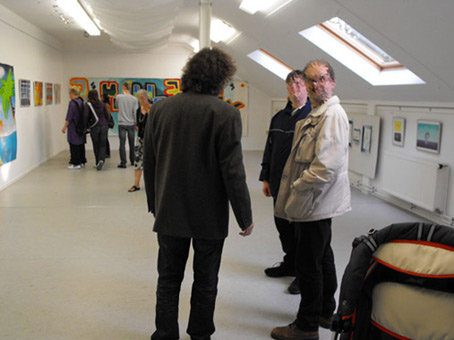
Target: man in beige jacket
[(314, 189)]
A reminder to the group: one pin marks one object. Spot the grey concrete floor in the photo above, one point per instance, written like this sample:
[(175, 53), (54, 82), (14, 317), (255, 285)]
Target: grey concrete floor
[(78, 258)]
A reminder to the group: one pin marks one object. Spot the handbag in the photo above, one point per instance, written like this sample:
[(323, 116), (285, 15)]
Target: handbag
[(111, 121), (92, 120)]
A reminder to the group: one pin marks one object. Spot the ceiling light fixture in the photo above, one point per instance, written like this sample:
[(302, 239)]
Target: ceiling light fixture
[(222, 31), (253, 6), (75, 9)]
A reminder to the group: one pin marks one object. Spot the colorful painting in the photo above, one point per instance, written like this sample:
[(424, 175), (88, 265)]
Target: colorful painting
[(8, 136), (25, 92), (38, 92), (49, 93), (57, 93), (236, 93), (428, 136)]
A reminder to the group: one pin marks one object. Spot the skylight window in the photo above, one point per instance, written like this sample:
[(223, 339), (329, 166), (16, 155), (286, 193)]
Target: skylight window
[(359, 54), (271, 63)]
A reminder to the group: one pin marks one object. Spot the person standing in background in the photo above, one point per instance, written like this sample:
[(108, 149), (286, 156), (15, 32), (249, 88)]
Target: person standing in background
[(277, 149), (193, 168), (127, 105), (141, 119), (76, 136), (314, 189), (99, 131), (106, 101)]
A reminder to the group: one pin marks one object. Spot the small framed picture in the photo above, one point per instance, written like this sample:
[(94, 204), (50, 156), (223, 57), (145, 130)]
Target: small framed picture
[(25, 92), (350, 129), (398, 131), (356, 135), (428, 136), (367, 137)]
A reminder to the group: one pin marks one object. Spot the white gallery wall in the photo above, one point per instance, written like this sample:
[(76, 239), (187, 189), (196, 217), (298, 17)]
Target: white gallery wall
[(35, 56), (411, 112)]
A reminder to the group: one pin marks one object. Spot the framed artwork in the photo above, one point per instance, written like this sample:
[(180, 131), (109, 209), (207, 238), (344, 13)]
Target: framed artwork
[(38, 92), (350, 129), (8, 133), (367, 137), (57, 93), (398, 131), (25, 92), (49, 93), (356, 135), (428, 136)]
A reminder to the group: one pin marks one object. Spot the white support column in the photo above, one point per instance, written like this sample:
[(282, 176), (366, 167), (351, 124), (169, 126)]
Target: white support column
[(204, 23)]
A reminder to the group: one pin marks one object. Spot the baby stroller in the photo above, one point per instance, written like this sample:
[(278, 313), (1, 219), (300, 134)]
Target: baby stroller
[(399, 284)]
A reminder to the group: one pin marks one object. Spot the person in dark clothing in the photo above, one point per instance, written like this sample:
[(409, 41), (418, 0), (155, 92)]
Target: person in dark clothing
[(193, 168), (277, 149), (99, 131), (106, 101), (76, 139)]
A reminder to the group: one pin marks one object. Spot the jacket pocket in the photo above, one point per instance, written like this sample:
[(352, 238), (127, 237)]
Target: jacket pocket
[(299, 204), (306, 148)]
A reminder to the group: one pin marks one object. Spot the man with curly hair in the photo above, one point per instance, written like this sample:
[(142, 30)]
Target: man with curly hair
[(193, 168)]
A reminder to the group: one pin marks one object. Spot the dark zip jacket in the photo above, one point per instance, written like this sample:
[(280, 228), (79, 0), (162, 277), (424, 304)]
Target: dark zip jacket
[(279, 144)]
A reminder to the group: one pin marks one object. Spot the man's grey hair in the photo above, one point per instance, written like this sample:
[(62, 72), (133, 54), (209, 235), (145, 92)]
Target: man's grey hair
[(143, 92)]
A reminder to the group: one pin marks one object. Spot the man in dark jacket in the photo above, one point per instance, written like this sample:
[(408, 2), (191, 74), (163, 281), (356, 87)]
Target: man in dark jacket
[(193, 167), (277, 149)]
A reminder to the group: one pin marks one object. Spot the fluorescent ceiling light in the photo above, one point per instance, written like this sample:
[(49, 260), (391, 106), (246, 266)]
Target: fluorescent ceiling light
[(271, 63), (222, 31), (360, 62), (74, 8), (267, 6)]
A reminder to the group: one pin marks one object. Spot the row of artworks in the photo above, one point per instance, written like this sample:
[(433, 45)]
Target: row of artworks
[(235, 93)]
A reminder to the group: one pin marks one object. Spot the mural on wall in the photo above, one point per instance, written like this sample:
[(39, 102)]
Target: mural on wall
[(25, 92), (38, 92), (236, 93), (49, 93), (8, 137)]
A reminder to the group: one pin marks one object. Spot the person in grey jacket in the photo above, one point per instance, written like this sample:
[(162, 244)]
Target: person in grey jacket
[(193, 168), (314, 189)]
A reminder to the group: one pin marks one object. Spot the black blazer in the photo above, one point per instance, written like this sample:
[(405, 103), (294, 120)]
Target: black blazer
[(193, 166)]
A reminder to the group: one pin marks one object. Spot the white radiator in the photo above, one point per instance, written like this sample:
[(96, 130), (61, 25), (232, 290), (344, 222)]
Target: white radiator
[(422, 183)]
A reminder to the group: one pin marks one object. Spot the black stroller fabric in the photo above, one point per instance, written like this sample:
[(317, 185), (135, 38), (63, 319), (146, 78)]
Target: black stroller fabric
[(372, 267)]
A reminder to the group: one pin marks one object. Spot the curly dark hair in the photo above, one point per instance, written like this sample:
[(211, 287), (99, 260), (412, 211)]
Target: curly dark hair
[(208, 71)]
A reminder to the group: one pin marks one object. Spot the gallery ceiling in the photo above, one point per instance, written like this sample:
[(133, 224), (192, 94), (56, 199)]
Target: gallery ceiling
[(416, 32)]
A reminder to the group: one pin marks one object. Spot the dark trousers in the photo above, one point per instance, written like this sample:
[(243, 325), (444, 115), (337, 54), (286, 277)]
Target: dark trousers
[(99, 139), (316, 273), (286, 232), (122, 130), (173, 254), (77, 153)]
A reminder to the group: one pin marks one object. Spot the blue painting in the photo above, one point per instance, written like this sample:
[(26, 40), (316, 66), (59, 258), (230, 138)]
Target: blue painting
[(8, 137), (428, 136)]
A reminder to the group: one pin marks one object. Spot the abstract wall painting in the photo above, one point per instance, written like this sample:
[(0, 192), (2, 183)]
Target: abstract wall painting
[(25, 92), (38, 92), (49, 93), (8, 136)]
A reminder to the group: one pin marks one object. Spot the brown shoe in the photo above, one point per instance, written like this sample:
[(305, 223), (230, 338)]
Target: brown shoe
[(291, 332)]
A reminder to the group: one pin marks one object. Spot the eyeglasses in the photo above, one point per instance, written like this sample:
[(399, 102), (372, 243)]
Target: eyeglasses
[(319, 80)]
